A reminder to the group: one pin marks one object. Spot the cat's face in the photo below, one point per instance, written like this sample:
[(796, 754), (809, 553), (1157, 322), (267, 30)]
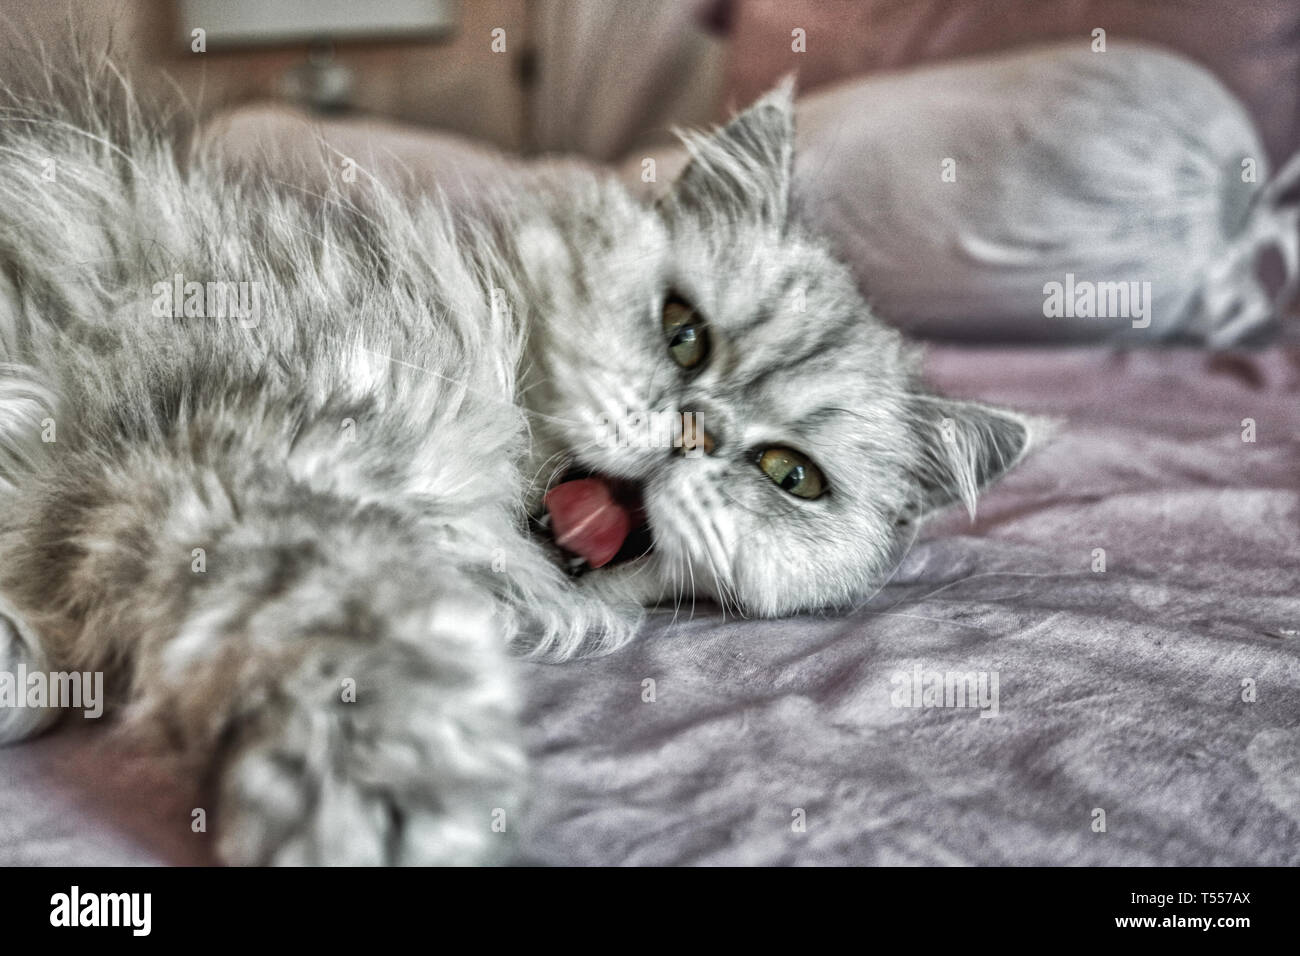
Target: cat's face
[(726, 417)]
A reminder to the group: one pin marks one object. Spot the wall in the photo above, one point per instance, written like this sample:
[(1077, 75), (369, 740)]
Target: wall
[(458, 84)]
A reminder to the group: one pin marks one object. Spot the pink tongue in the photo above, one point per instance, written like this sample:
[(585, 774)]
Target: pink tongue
[(587, 520)]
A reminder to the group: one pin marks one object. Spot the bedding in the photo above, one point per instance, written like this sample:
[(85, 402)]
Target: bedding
[(1163, 691)]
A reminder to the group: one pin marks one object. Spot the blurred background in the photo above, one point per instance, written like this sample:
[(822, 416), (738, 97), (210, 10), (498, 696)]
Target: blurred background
[(603, 78), (524, 75)]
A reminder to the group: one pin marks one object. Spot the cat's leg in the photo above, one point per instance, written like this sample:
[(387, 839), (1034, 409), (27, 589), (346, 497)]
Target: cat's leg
[(351, 684), (335, 669), (372, 742)]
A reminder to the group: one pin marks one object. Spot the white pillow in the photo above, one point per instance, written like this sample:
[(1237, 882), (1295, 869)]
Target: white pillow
[(1072, 169)]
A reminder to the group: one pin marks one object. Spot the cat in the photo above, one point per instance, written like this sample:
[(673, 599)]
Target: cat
[(304, 526)]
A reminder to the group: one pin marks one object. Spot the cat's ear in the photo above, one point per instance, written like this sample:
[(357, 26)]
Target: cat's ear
[(742, 170), (964, 448)]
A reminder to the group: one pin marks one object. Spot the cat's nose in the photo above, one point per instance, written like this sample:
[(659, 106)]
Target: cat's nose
[(696, 439)]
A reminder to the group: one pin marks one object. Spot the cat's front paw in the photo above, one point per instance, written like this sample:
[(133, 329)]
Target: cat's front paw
[(382, 758)]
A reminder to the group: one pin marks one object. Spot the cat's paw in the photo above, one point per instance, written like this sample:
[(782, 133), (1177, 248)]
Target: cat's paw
[(379, 754)]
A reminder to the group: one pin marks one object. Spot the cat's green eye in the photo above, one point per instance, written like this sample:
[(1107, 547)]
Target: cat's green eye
[(793, 472), (688, 335)]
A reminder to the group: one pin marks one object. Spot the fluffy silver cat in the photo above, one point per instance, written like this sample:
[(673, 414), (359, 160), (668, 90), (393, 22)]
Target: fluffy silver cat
[(299, 470)]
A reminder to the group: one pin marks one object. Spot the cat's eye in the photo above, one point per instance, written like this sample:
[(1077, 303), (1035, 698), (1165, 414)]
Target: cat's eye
[(687, 333), (793, 472)]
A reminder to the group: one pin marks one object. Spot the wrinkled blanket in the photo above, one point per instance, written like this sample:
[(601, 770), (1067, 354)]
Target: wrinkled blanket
[(1147, 713)]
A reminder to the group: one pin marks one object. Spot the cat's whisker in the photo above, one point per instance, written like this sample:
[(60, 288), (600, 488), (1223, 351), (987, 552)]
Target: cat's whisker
[(681, 579), (720, 584), (690, 568), (898, 563), (766, 515), (712, 548), (726, 585), (559, 469)]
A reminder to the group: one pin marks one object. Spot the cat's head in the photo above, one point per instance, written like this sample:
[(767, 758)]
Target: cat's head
[(809, 450)]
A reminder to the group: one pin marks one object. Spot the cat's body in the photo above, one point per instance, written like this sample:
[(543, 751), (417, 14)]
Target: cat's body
[(298, 541)]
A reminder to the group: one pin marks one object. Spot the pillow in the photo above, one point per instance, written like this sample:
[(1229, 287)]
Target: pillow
[(1050, 194), (1253, 46)]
